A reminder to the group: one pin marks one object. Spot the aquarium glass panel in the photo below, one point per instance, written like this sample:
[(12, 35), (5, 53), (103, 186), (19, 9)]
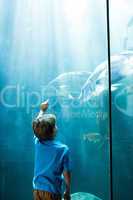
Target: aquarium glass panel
[(57, 50), (121, 31)]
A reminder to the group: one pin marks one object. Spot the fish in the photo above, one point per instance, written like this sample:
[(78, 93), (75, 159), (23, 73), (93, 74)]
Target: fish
[(65, 88), (124, 100), (95, 138), (97, 82), (92, 137)]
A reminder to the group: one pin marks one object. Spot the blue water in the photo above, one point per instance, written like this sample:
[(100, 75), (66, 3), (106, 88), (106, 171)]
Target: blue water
[(58, 51)]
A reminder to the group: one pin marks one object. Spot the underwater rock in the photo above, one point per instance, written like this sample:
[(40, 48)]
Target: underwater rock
[(83, 196)]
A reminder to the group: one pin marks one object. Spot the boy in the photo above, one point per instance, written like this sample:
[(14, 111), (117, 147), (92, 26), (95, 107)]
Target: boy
[(51, 159)]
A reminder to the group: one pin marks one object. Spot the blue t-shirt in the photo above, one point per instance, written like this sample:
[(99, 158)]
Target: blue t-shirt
[(51, 159)]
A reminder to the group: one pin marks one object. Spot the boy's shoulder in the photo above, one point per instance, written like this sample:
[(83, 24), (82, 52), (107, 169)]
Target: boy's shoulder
[(56, 143), (61, 145)]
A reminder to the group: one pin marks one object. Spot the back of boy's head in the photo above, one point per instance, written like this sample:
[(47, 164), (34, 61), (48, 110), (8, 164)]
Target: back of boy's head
[(44, 127)]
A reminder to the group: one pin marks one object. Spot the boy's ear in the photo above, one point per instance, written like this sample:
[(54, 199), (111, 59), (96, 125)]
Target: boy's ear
[(56, 128), (35, 124), (37, 130), (38, 133)]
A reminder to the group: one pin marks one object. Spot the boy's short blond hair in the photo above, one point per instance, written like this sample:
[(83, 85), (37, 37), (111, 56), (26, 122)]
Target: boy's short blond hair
[(43, 126)]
